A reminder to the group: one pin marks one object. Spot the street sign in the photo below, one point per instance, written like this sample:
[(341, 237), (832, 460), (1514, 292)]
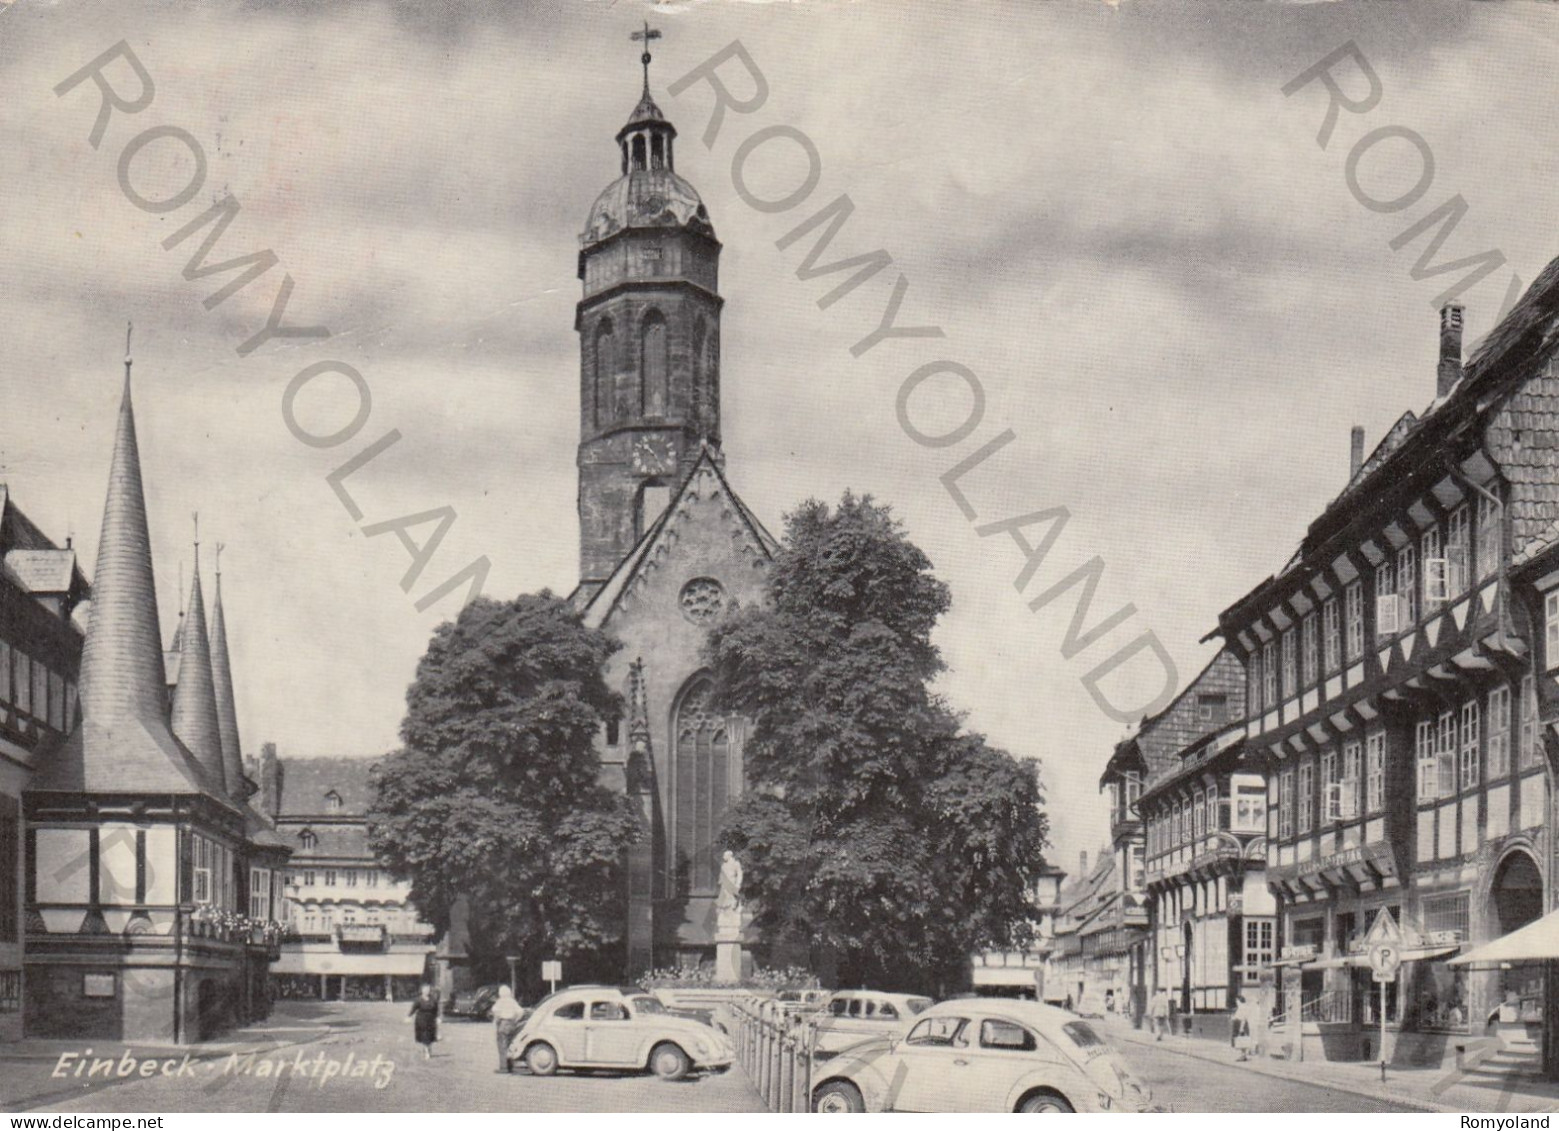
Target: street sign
[(1383, 930), (1384, 960), (552, 973)]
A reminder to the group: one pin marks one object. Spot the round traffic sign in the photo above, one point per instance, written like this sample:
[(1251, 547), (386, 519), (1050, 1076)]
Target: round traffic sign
[(1385, 958)]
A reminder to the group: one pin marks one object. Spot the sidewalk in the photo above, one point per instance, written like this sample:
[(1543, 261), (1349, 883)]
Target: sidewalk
[(1433, 1089)]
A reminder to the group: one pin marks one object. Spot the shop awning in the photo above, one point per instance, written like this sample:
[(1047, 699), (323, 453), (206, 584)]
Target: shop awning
[(400, 963), (1534, 942), (1338, 963), (1292, 961), (1411, 954)]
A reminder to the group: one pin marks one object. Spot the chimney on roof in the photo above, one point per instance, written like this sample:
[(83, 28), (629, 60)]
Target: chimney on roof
[(1355, 453), (1082, 863), (270, 781), (1450, 348)]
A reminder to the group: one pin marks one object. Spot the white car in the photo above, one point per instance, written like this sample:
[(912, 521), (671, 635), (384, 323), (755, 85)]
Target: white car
[(850, 1016), (983, 1054), (606, 1027)]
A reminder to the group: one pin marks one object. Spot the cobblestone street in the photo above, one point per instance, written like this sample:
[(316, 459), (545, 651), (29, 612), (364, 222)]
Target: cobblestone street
[(461, 1075)]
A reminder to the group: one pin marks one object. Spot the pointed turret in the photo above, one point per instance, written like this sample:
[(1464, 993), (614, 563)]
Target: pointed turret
[(124, 744), (227, 707), (195, 719)]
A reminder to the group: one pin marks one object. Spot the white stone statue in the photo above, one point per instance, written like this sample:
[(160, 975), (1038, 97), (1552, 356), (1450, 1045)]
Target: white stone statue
[(730, 897)]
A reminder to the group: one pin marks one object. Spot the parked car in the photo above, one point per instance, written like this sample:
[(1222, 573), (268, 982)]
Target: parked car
[(983, 1054), (609, 1027), (850, 1016), (477, 1004)]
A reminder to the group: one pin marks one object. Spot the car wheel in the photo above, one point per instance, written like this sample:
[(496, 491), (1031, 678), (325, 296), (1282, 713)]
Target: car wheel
[(668, 1061), (838, 1096), (1043, 1102), (541, 1059)]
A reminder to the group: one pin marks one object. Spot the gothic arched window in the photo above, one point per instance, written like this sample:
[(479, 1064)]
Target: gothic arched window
[(602, 373), (700, 784), (653, 391)]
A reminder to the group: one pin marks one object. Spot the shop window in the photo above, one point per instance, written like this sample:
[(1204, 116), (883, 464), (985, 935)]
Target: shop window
[(1259, 938), (1450, 912), (10, 991)]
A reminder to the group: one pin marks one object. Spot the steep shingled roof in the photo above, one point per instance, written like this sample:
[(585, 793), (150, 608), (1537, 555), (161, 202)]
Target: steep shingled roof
[(306, 781), (194, 720), (227, 706), (123, 744)]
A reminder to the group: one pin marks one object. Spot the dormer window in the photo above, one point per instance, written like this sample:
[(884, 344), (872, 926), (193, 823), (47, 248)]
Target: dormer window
[(307, 838), (332, 801)]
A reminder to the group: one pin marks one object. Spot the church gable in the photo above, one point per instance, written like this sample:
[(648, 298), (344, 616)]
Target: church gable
[(706, 551)]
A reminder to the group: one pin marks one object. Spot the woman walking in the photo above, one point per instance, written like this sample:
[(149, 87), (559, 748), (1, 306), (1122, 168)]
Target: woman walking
[(424, 1016), (508, 1016)]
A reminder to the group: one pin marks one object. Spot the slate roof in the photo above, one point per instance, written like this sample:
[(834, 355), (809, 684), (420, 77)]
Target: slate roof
[(42, 571), (334, 840), (306, 781), (123, 743), (194, 718), (227, 706)]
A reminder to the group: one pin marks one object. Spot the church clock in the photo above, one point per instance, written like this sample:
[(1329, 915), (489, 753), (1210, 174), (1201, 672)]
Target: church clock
[(654, 455)]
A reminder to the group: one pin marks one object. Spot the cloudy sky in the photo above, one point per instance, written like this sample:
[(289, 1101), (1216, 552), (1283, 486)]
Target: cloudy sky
[(1168, 290)]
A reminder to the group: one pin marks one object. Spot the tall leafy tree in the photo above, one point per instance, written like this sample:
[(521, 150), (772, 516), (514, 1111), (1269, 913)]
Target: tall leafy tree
[(878, 832), (495, 794)]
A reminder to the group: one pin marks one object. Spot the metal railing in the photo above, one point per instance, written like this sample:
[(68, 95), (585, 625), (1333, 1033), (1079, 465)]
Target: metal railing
[(774, 1045)]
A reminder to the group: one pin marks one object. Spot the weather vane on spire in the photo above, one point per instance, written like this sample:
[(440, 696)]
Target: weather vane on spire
[(645, 36), (129, 327)]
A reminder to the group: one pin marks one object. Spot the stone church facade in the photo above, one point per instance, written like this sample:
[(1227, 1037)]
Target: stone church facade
[(666, 546)]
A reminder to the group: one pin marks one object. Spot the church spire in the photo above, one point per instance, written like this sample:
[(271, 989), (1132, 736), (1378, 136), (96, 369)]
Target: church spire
[(195, 719), (227, 709)]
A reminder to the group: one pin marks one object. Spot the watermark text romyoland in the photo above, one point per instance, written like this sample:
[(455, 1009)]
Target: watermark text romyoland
[(738, 86)]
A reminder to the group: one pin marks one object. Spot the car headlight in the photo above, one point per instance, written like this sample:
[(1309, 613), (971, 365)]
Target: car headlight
[(701, 1047)]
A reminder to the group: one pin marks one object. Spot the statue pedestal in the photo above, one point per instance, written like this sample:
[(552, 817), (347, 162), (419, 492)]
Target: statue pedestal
[(728, 945)]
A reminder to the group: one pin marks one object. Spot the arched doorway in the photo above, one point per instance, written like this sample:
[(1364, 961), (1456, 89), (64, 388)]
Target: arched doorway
[(1517, 892), (1516, 899)]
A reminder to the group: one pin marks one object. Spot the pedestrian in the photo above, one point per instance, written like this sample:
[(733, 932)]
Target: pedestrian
[(1158, 1013), (508, 1016), (1239, 1028), (424, 1018)]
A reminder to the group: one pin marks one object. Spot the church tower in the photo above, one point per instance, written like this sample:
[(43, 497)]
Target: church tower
[(649, 341)]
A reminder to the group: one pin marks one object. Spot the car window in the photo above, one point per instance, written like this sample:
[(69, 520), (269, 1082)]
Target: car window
[(938, 1031), (607, 1011), (647, 1004), (1006, 1036), (918, 1005), (886, 1010), (839, 1006), (573, 1011), (855, 1007), (1082, 1035)]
